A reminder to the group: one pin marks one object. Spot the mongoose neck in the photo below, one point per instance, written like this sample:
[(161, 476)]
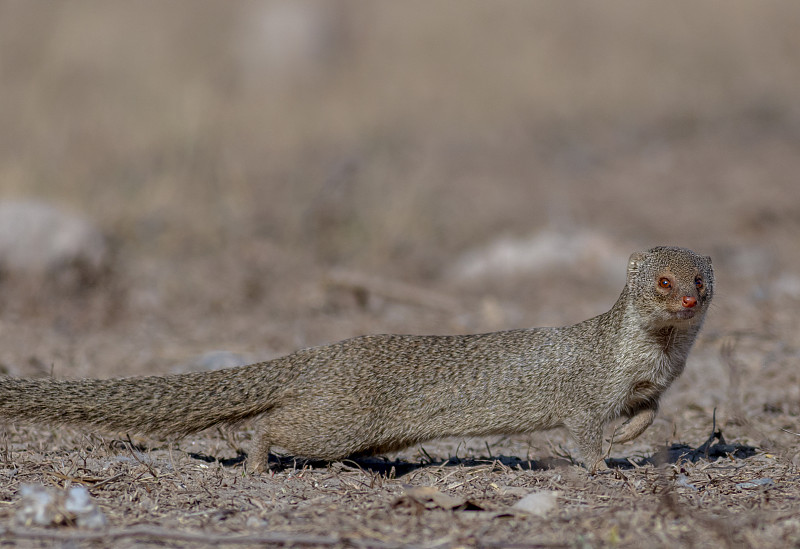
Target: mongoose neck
[(663, 346)]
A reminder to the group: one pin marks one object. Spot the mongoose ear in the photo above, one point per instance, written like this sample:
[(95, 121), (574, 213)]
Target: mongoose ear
[(635, 261)]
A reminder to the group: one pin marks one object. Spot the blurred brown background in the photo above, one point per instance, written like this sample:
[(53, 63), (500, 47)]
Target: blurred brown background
[(270, 175)]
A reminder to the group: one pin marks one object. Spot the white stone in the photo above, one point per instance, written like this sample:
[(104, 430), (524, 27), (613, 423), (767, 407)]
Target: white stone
[(537, 503)]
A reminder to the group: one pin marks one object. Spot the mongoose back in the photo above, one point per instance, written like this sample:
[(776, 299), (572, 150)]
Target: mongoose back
[(379, 393)]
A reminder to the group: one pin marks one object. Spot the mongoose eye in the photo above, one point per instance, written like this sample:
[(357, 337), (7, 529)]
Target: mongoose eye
[(698, 282), (665, 283)]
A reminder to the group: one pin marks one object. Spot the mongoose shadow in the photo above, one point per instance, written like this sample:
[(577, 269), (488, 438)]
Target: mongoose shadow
[(377, 394), (679, 452), (672, 454)]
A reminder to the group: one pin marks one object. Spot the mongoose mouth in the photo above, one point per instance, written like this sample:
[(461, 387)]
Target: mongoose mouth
[(685, 314)]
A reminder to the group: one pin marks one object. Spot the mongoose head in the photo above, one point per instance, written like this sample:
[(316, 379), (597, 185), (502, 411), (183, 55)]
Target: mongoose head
[(670, 286)]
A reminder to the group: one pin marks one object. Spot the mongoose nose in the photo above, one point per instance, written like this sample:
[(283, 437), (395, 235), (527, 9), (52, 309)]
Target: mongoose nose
[(689, 301)]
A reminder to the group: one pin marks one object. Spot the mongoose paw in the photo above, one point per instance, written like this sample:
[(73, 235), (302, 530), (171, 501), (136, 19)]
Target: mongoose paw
[(258, 462), (599, 466), (635, 426), (259, 468)]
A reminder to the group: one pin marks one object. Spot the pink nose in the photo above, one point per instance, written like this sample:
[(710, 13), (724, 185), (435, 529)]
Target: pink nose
[(689, 302)]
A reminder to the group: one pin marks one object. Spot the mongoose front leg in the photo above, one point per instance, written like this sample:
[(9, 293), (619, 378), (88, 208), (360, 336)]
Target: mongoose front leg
[(589, 437), (634, 426)]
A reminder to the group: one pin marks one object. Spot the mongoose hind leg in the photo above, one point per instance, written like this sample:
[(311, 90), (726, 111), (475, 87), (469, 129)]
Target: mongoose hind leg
[(306, 438), (634, 426), (259, 455), (258, 458)]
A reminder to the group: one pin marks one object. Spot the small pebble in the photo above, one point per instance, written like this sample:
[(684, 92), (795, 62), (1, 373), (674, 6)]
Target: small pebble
[(756, 483), (537, 503)]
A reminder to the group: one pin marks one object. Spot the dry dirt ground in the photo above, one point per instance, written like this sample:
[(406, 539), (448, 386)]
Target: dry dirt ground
[(276, 175)]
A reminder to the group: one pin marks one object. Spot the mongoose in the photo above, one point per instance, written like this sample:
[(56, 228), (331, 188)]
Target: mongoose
[(380, 393)]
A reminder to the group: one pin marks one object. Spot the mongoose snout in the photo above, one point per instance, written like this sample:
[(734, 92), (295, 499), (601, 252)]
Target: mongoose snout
[(380, 393)]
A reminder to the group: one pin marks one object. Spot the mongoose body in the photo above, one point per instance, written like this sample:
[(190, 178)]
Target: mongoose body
[(380, 393)]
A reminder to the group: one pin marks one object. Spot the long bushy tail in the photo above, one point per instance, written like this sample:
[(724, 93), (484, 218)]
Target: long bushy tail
[(170, 405)]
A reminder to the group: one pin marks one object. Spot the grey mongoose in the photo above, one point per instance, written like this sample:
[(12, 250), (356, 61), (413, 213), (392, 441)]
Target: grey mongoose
[(380, 393)]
